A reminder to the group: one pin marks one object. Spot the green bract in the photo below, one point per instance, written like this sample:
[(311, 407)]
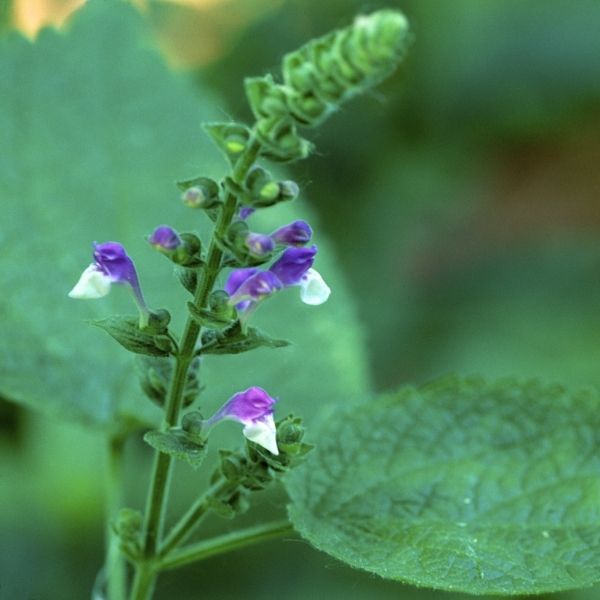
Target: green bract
[(178, 445), (487, 488), (320, 76)]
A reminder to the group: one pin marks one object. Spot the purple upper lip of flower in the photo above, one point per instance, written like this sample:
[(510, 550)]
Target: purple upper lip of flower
[(292, 265), (112, 260), (254, 409), (248, 406), (237, 277), (297, 233)]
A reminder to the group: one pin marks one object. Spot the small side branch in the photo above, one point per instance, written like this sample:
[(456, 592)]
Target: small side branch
[(226, 543)]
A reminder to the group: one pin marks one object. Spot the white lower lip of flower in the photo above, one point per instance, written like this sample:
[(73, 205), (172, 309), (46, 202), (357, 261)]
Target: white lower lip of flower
[(263, 433), (313, 289), (92, 284)]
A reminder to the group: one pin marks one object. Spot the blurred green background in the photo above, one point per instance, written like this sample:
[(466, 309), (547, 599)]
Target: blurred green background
[(461, 202)]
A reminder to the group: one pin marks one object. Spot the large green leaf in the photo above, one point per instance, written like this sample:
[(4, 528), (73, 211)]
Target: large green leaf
[(95, 130), (460, 485)]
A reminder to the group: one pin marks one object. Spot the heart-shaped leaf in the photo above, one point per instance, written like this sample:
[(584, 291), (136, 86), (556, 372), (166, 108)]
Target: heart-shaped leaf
[(487, 488)]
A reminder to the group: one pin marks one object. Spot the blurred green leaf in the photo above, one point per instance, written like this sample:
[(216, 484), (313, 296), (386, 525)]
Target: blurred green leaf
[(460, 485), (98, 130), (526, 310), (5, 14)]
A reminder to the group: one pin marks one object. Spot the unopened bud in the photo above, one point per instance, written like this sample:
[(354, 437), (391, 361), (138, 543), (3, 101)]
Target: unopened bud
[(165, 239), (193, 424), (289, 190), (270, 191), (200, 192)]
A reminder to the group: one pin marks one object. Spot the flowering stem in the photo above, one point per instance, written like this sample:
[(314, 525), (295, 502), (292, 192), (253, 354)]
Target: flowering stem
[(157, 496), (226, 543), (193, 516)]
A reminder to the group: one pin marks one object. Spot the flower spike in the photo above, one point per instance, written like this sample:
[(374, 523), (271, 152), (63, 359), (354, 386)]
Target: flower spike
[(254, 409)]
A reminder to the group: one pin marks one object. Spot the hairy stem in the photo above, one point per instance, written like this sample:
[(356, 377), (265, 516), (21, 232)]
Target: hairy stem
[(114, 567), (157, 496), (184, 527), (226, 543)]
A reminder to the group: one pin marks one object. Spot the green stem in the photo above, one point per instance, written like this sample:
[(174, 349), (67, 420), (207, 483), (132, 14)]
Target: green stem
[(144, 581), (184, 527), (157, 496), (226, 543), (115, 568)]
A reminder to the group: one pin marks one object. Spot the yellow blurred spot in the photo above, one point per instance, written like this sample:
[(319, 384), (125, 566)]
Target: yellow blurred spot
[(32, 15), (191, 33)]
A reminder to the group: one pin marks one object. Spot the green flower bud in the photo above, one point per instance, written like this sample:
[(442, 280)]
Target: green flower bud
[(193, 424), (321, 75), (218, 302), (128, 524), (288, 190), (230, 138), (233, 467), (158, 320), (189, 253), (261, 191), (194, 197), (349, 61), (154, 374), (256, 179), (267, 99), (269, 191), (200, 192), (188, 279), (280, 139)]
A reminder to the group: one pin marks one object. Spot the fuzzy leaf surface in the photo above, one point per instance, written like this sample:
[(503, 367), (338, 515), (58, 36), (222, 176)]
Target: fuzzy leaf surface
[(127, 332), (463, 485), (177, 445)]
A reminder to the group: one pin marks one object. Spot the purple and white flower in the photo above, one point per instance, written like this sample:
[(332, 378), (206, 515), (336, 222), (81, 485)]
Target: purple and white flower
[(247, 287), (111, 265), (294, 268), (254, 409), (297, 233)]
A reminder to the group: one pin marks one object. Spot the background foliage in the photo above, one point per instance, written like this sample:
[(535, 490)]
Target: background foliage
[(460, 203)]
